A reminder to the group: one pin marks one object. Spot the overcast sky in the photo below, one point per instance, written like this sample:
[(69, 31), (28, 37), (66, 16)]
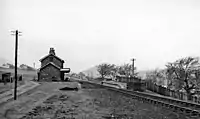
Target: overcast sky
[(85, 33)]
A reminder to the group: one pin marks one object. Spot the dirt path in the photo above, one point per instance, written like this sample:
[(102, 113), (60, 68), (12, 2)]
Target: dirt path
[(29, 100), (20, 90), (48, 102)]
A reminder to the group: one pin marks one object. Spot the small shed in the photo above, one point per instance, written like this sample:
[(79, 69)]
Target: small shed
[(6, 77), (63, 71), (136, 84)]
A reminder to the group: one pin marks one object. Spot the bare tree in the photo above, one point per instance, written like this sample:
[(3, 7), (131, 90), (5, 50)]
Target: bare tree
[(126, 69), (157, 76), (104, 69), (185, 74)]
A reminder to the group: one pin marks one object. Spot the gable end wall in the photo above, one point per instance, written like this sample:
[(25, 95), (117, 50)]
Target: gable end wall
[(47, 73), (55, 61)]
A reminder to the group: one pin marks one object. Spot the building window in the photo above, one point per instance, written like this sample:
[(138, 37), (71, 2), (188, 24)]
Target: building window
[(51, 59)]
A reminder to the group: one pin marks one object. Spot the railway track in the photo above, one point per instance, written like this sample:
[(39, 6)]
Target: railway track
[(187, 108)]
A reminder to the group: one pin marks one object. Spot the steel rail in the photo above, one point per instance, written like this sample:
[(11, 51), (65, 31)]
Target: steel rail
[(180, 106)]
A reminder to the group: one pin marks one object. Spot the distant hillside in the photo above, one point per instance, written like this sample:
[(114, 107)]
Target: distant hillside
[(4, 61), (92, 72), (26, 67)]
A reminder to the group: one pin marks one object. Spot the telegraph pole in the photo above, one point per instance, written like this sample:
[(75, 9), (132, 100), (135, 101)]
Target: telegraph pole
[(16, 33), (133, 66)]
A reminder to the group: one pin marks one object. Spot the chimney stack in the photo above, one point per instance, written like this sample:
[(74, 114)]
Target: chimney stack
[(52, 51)]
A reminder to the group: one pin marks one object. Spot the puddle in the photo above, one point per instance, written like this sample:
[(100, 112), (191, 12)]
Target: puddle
[(72, 87), (69, 89)]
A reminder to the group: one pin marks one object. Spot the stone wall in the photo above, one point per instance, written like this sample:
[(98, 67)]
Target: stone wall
[(49, 73)]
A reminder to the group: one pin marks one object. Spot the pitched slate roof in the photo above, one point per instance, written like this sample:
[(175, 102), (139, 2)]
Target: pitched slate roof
[(51, 55), (50, 63)]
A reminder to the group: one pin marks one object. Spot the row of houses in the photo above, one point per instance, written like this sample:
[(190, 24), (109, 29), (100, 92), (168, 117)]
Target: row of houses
[(52, 68)]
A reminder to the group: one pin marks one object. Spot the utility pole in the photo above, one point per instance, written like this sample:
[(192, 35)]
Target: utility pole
[(16, 33), (133, 66)]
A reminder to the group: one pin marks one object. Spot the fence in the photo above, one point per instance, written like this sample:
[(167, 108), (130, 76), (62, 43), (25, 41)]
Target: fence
[(170, 93)]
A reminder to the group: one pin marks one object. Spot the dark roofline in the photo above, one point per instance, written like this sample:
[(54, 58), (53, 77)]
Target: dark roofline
[(7, 73), (49, 55), (50, 63)]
